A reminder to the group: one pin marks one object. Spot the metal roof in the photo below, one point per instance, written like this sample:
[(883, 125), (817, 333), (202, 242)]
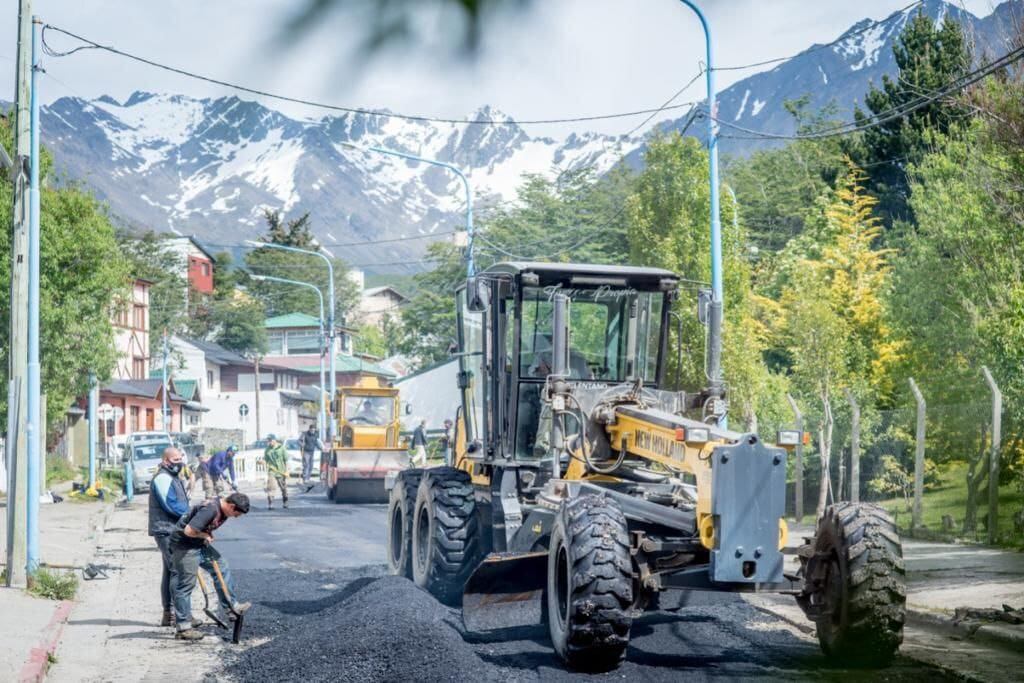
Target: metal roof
[(559, 271), (292, 320)]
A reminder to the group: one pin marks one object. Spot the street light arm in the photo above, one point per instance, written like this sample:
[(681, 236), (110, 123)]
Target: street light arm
[(297, 283)]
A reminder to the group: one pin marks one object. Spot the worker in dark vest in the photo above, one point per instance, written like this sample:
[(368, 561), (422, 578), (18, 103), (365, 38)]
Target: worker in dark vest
[(168, 501), (311, 443)]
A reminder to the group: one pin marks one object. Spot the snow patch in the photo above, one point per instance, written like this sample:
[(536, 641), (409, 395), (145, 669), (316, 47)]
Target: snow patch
[(824, 76), (758, 106), (743, 105)]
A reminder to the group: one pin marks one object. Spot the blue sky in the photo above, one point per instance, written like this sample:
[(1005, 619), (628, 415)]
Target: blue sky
[(555, 58)]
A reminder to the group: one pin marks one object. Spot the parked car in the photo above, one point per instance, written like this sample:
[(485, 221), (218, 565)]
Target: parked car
[(144, 450), (294, 450)]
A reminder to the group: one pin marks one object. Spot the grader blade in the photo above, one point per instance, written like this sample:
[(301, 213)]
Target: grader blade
[(505, 591)]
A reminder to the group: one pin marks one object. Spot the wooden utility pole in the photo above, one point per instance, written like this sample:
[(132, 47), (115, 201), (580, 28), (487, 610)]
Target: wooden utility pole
[(854, 447), (918, 455), (17, 413), (799, 468)]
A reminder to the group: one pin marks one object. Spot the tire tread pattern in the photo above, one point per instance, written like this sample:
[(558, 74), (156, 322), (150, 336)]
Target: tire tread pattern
[(455, 544)]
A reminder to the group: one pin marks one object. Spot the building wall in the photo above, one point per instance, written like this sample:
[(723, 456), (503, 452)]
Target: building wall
[(372, 309), (200, 274), (275, 418), (131, 335), (149, 415)]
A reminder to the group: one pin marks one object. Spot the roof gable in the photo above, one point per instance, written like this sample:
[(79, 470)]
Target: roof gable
[(290, 320)]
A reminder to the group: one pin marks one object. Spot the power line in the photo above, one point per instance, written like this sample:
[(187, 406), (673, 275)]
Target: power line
[(92, 45), (341, 244), (815, 48), (888, 115)]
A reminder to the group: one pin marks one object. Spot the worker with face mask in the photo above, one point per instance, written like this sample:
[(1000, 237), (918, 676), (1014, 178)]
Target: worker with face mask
[(168, 501)]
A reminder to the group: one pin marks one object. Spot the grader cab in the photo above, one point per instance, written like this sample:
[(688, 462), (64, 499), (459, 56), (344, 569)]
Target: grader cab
[(581, 488)]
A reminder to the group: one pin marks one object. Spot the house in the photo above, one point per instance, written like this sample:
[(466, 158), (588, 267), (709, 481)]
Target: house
[(377, 302), (294, 342), (227, 382), (196, 263), (131, 333)]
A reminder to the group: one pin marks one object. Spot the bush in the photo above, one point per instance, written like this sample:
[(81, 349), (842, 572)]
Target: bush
[(52, 585), (58, 469)]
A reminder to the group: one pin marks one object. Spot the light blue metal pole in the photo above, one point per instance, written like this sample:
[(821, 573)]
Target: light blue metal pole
[(330, 319), (94, 433), (35, 423), (323, 337), (717, 298), (470, 268), (165, 407)]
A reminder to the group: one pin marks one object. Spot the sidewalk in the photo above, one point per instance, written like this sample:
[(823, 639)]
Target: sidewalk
[(68, 533), (941, 578), (114, 633)]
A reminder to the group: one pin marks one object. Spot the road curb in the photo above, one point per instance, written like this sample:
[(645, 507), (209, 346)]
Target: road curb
[(34, 669), (1004, 636)]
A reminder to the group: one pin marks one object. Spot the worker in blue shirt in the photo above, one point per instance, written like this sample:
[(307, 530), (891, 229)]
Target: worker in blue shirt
[(218, 469), (168, 501)]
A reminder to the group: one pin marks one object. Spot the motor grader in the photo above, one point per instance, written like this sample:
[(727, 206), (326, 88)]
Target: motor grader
[(369, 450), (581, 489)]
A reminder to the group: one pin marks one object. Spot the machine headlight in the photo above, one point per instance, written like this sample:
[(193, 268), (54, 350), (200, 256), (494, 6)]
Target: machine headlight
[(693, 434)]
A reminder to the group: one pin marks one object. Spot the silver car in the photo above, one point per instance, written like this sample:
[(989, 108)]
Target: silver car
[(144, 451)]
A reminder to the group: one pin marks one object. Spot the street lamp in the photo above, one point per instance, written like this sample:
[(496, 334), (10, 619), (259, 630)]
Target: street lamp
[(323, 335), (715, 310), (330, 313), (465, 183)]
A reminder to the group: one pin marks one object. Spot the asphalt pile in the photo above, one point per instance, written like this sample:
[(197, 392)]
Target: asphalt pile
[(383, 629)]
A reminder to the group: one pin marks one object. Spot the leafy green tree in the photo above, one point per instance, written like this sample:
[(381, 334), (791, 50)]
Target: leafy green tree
[(82, 274), (777, 188), (428, 318), (280, 299), (928, 58), (228, 316)]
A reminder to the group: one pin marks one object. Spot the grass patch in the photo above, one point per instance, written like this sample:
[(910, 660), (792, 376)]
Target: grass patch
[(950, 498), (52, 585), (58, 470)]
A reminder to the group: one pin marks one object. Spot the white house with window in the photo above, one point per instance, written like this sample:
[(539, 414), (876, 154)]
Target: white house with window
[(298, 334)]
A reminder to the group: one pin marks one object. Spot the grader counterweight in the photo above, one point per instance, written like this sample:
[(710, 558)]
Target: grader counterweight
[(581, 489)]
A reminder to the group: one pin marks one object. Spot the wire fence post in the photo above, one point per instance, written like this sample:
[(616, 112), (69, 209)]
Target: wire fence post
[(993, 471), (918, 456), (799, 469), (854, 447)]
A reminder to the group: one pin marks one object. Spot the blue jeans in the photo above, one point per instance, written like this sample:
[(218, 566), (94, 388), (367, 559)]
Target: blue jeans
[(167, 575), (307, 466), (186, 563)]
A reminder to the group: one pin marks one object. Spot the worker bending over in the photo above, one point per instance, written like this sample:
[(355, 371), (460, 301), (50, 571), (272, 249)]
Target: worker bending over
[(190, 550)]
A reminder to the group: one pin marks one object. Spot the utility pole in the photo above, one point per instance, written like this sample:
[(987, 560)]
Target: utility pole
[(94, 432), (993, 465), (17, 446), (798, 472), (854, 447), (918, 455), (166, 410), (256, 366), (34, 423)]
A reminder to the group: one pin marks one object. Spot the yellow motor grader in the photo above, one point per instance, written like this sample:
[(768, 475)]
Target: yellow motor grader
[(581, 489), (368, 452)]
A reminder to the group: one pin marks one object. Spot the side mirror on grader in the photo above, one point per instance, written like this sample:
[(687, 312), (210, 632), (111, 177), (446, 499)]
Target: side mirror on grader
[(580, 489)]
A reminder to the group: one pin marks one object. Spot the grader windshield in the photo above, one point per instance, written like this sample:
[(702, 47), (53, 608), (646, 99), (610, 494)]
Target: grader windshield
[(607, 341)]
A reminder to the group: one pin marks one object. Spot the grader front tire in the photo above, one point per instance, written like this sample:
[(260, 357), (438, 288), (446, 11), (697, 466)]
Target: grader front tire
[(855, 585), (401, 507), (590, 584)]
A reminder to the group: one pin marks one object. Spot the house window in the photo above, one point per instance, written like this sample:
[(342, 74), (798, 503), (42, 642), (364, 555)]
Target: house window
[(209, 379), (275, 343), (206, 269), (139, 317), (133, 421), (121, 318), (138, 368), (303, 342)]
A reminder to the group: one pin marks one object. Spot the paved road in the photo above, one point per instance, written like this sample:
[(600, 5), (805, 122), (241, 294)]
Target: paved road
[(301, 564)]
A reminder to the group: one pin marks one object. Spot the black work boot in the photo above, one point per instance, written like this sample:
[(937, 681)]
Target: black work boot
[(168, 618)]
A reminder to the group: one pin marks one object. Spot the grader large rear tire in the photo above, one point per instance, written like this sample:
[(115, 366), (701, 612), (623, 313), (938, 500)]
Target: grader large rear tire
[(445, 534), (590, 584), (855, 585), (400, 513)]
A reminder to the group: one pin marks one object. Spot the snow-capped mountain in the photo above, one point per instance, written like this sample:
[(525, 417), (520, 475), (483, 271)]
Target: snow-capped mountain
[(208, 167)]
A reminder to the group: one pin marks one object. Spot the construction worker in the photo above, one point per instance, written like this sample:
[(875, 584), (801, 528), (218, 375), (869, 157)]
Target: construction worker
[(446, 442), (168, 501), (220, 468), (188, 545), (419, 445), (310, 441), (276, 458)]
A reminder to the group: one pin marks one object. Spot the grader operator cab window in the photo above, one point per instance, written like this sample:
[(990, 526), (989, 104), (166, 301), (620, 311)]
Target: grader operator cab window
[(614, 334)]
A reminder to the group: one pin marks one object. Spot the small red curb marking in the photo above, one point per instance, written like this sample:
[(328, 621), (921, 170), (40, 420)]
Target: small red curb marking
[(34, 669)]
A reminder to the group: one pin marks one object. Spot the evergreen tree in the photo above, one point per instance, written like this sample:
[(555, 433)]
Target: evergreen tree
[(928, 58)]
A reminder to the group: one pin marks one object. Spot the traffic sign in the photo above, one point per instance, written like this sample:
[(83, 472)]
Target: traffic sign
[(243, 410)]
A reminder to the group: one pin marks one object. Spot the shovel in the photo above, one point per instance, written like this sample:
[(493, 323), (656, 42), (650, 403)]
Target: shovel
[(236, 632)]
